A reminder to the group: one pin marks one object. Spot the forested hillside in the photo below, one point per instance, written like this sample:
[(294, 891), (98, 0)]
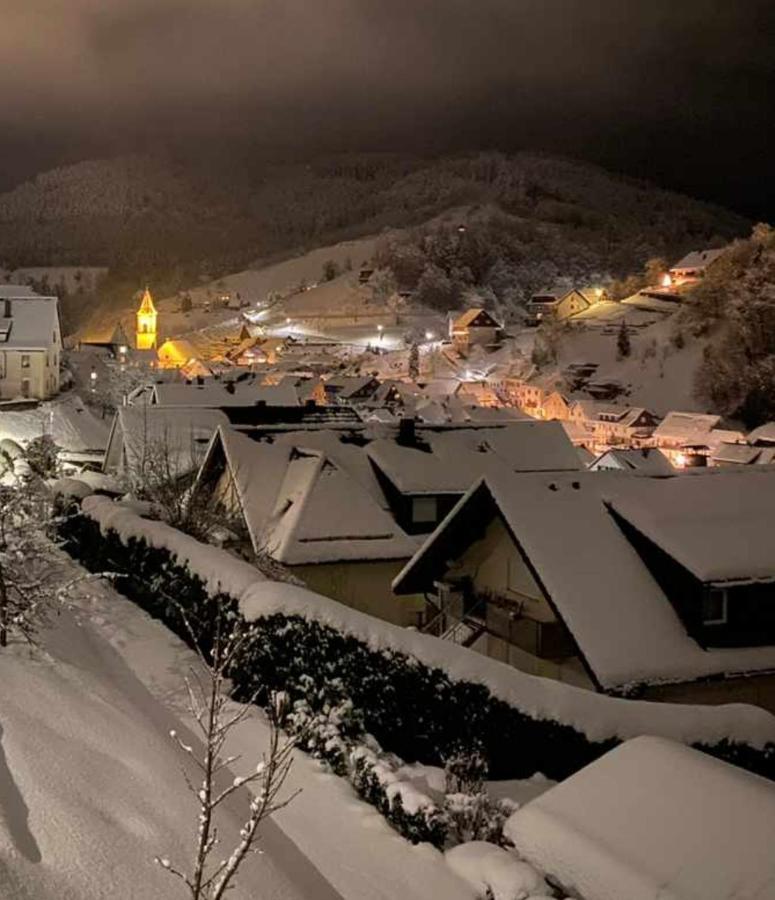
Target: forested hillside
[(175, 222)]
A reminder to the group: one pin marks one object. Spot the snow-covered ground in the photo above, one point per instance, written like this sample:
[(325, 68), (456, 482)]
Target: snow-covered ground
[(658, 374), (91, 787)]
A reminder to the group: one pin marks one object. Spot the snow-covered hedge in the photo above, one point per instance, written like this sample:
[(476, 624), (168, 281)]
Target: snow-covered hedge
[(417, 695)]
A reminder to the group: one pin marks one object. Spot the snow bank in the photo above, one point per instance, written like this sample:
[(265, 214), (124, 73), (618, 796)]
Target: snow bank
[(487, 867), (653, 819), (596, 716)]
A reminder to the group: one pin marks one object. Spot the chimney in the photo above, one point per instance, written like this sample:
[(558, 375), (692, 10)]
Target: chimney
[(406, 431)]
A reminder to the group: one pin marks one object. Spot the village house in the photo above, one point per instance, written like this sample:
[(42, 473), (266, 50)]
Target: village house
[(30, 344), (555, 406), (175, 354), (474, 328), (647, 461), (529, 569), (694, 265), (284, 484), (280, 494), (352, 389), (611, 425), (559, 306), (693, 439), (173, 440), (528, 397)]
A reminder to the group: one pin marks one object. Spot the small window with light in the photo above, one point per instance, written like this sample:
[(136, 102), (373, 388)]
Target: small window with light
[(25, 360), (714, 607)]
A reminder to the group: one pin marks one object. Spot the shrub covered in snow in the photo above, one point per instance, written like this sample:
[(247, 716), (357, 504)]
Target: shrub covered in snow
[(415, 709), (496, 874)]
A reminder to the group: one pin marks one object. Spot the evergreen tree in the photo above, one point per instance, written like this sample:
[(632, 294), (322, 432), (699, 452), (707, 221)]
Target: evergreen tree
[(623, 346), (414, 361)]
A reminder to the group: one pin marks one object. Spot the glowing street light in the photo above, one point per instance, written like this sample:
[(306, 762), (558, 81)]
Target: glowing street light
[(93, 379), (380, 329), (429, 335)]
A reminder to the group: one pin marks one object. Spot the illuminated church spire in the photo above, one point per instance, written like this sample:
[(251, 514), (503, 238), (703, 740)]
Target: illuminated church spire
[(146, 323)]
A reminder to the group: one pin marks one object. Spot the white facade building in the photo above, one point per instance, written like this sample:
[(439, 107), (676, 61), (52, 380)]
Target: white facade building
[(30, 343)]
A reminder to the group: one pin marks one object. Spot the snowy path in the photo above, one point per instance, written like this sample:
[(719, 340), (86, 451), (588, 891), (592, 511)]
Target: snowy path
[(329, 841)]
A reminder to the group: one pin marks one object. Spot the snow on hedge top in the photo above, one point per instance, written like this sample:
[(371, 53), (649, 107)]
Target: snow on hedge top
[(653, 819), (598, 717), (219, 571)]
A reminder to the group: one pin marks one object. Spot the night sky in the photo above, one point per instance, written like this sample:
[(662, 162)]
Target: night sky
[(678, 91)]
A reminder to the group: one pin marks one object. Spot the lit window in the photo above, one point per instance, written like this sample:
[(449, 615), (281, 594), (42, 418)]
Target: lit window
[(25, 360), (714, 607), (424, 509)]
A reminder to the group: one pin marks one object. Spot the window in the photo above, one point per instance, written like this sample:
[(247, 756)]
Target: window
[(25, 387), (714, 607), (424, 509), (2, 365), (25, 360)]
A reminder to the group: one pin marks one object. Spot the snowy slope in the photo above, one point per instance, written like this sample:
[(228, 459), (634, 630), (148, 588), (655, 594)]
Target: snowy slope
[(91, 787), (659, 375)]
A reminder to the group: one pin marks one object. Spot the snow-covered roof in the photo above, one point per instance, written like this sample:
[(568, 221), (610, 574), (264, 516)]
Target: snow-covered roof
[(697, 260), (182, 434), (647, 461), (686, 428), (625, 627), (720, 525), (215, 394), (450, 461), (653, 818), (27, 321), (287, 491), (764, 434), (742, 454), (469, 317)]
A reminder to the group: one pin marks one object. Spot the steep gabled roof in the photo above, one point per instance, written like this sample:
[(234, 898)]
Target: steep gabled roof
[(474, 318), (698, 259), (626, 629)]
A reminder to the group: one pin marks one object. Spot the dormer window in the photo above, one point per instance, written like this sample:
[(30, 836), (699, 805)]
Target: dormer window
[(714, 607)]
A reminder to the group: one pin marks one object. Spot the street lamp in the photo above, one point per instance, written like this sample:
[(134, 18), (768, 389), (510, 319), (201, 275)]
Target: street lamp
[(428, 335), (379, 329), (93, 379)]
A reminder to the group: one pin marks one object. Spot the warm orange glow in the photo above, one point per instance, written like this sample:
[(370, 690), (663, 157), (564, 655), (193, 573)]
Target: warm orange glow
[(681, 459), (667, 281), (146, 323)]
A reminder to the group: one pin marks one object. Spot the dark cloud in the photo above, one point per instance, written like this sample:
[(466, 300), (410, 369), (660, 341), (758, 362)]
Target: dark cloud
[(679, 90)]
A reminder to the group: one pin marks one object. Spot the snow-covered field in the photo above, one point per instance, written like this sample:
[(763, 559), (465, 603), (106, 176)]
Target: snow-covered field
[(91, 787)]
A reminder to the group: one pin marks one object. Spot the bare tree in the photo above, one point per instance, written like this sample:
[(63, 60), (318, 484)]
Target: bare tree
[(208, 703)]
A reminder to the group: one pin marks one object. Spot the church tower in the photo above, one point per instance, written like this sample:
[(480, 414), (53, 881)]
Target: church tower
[(146, 323)]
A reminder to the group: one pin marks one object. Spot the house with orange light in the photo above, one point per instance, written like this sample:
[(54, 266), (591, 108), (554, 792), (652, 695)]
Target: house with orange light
[(694, 266), (474, 328), (559, 306), (555, 406)]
